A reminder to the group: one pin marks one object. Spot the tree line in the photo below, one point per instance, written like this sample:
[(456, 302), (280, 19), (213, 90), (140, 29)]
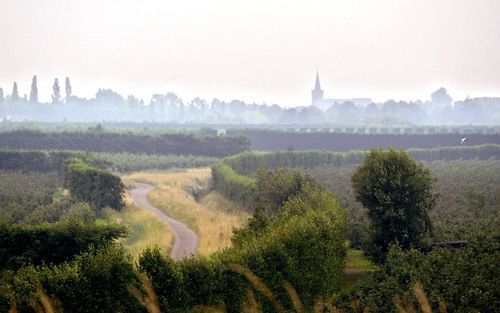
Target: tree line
[(46, 161), (168, 107), (272, 140), (233, 175), (43, 161), (99, 141)]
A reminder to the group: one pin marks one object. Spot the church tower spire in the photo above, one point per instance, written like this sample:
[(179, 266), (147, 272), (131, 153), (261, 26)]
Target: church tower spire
[(317, 85), (317, 92)]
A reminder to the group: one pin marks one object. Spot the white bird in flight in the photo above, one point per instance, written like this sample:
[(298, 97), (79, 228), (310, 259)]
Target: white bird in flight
[(463, 140)]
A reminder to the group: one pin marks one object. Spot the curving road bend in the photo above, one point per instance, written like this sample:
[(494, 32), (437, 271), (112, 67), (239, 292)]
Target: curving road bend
[(185, 240)]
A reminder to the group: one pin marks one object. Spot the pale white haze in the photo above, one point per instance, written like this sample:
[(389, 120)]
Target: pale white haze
[(256, 51)]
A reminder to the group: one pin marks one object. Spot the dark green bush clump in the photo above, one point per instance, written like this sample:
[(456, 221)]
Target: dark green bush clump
[(465, 279), (95, 281), (93, 185), (47, 244)]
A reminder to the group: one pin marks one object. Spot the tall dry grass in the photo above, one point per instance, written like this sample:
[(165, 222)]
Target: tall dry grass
[(149, 299), (185, 197), (147, 296), (406, 306), (40, 303)]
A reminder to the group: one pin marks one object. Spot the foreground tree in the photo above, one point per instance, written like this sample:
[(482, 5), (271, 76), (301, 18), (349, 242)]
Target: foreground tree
[(398, 194)]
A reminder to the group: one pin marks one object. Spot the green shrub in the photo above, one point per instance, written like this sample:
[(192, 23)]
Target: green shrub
[(93, 185), (47, 244), (95, 281), (465, 279), (235, 187)]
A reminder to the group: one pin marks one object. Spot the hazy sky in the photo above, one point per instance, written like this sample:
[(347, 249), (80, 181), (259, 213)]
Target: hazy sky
[(262, 51)]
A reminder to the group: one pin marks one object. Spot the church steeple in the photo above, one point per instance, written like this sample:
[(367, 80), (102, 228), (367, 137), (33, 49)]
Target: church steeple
[(317, 85), (317, 93)]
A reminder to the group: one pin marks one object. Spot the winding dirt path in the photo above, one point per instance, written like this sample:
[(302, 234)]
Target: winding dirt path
[(185, 240)]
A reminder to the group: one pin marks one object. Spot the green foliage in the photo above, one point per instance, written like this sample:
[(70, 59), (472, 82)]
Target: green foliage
[(457, 215), (229, 180), (31, 198), (247, 163), (465, 279), (133, 162), (95, 281), (235, 187), (275, 188), (168, 278), (398, 195), (272, 140), (53, 160), (279, 194), (43, 161), (23, 195), (101, 286), (104, 141), (299, 239), (93, 185), (24, 245), (306, 250)]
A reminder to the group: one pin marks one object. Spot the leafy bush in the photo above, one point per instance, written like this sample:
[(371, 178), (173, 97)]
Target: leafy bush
[(93, 185), (24, 245), (95, 281), (465, 279), (235, 187)]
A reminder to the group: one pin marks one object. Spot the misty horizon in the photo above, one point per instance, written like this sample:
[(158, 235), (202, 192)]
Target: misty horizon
[(45, 94), (256, 52), (108, 105)]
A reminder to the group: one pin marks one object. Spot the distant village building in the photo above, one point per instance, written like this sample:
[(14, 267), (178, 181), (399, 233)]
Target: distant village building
[(324, 104)]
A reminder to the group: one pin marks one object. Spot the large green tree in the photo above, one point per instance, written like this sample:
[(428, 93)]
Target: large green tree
[(397, 192)]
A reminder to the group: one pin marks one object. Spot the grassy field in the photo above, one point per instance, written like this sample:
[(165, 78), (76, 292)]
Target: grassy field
[(356, 268), (145, 230), (356, 262), (185, 196)]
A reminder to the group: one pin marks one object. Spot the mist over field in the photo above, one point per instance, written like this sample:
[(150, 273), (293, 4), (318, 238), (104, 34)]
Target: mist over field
[(249, 156)]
